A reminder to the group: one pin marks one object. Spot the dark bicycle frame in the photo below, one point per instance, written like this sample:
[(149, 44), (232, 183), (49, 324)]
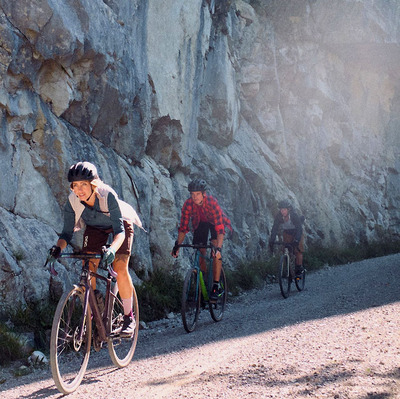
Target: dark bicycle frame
[(299, 281), (203, 290), (90, 298), (290, 246), (196, 265), (74, 329)]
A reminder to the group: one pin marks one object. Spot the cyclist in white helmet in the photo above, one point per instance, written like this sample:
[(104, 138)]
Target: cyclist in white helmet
[(95, 206)]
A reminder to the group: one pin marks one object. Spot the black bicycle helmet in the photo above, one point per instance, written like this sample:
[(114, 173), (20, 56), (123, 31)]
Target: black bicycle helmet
[(197, 185), (82, 171), (285, 204)]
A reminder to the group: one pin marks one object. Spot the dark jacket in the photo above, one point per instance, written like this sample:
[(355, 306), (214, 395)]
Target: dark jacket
[(297, 230)]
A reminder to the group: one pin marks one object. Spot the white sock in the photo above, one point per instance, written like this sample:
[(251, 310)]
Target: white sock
[(127, 304)]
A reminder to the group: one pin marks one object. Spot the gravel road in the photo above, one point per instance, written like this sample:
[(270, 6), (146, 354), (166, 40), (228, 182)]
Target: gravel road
[(337, 339)]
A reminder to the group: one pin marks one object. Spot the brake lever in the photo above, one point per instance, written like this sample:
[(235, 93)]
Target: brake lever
[(53, 271)]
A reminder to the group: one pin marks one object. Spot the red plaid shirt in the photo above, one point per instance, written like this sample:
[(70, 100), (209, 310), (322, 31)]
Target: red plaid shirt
[(211, 210)]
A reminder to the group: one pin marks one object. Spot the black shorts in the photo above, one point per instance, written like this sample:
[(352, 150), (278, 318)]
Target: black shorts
[(200, 235), (290, 238), (94, 238)]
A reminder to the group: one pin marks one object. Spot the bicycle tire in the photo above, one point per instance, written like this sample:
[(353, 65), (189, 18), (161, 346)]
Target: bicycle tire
[(301, 281), (190, 307), (121, 350), (68, 356), (217, 308), (285, 279)]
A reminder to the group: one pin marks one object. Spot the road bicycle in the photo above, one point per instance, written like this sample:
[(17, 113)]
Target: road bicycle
[(286, 270), (83, 317), (197, 288)]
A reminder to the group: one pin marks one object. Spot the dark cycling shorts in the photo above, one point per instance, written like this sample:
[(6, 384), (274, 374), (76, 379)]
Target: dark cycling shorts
[(94, 238), (200, 235), (289, 238)]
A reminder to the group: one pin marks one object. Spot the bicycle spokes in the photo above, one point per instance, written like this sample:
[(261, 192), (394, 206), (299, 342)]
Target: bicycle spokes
[(190, 306), (217, 308), (284, 275), (71, 334), (121, 350), (70, 341)]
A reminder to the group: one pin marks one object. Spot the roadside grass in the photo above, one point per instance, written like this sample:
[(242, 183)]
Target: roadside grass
[(11, 347), (253, 274), (17, 324), (161, 293), (249, 275), (317, 257)]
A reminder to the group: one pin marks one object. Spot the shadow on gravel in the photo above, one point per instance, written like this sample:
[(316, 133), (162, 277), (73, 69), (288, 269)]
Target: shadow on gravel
[(260, 376), (42, 393), (330, 292)]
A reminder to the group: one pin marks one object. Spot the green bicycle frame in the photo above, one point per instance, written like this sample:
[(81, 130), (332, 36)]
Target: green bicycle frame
[(203, 286)]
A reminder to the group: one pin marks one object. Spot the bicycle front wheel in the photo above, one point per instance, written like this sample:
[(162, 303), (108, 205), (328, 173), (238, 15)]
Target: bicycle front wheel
[(284, 276), (190, 300), (217, 308), (69, 346), (121, 350), (301, 280)]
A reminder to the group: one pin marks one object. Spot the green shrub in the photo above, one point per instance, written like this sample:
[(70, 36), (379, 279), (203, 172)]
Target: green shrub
[(160, 295), (34, 317), (11, 347), (317, 256), (250, 275), (19, 255)]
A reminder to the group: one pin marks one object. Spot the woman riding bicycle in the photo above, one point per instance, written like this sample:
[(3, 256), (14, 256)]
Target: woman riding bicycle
[(95, 206), (206, 216), (291, 224)]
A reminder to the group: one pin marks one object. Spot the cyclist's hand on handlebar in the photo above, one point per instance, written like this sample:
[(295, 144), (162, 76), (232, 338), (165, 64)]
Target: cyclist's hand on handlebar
[(54, 253), (216, 252), (108, 255), (175, 250)]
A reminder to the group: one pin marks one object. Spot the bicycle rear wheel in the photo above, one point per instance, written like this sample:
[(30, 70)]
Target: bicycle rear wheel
[(121, 350), (190, 300), (300, 280), (69, 355), (285, 279)]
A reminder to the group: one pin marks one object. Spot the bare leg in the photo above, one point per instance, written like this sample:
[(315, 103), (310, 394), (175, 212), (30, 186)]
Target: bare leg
[(299, 258), (203, 265), (124, 281), (93, 265), (217, 264)]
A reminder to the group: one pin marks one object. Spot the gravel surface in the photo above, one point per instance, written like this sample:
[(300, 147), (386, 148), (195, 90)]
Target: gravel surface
[(339, 338)]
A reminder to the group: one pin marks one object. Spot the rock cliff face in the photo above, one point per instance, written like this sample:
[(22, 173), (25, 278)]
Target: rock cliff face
[(263, 99)]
